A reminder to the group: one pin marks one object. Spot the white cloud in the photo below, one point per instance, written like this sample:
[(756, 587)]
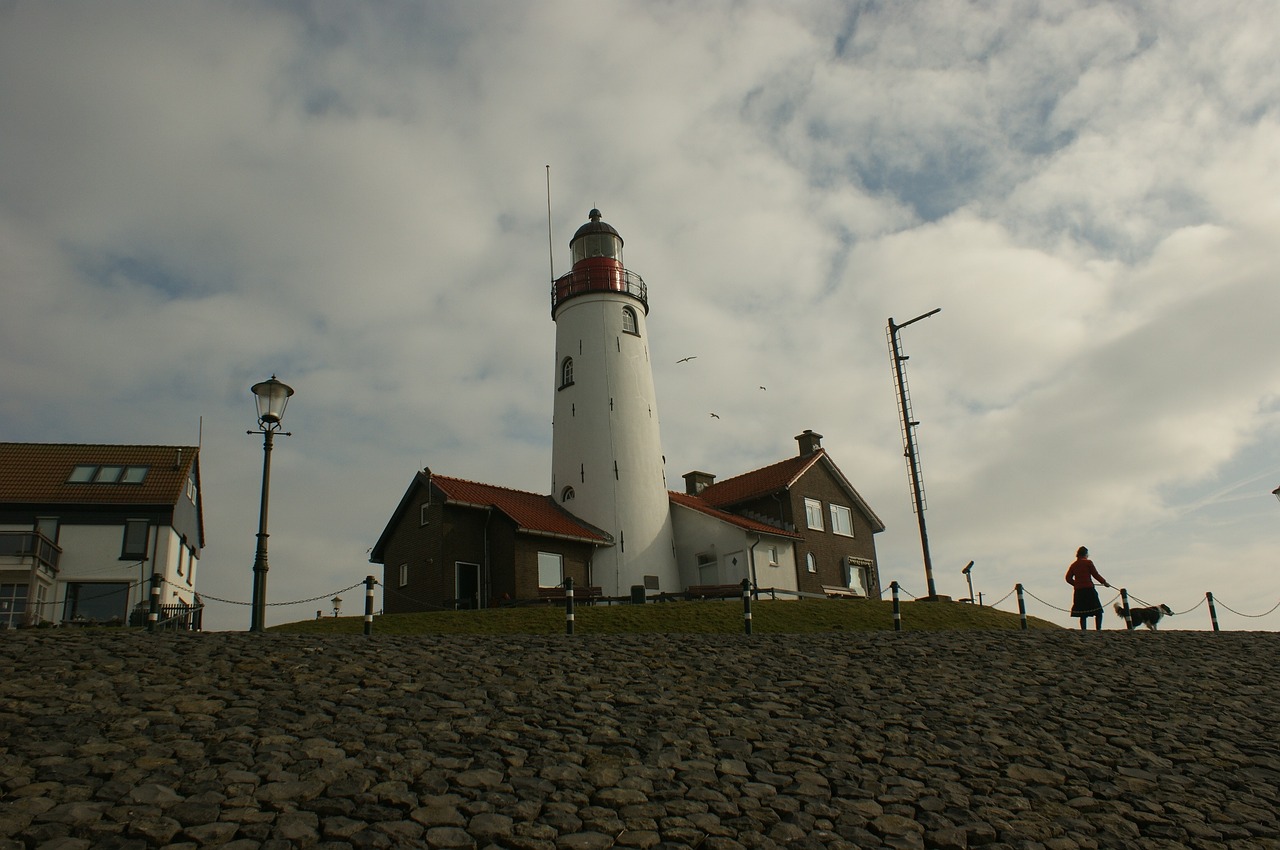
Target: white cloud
[(353, 198)]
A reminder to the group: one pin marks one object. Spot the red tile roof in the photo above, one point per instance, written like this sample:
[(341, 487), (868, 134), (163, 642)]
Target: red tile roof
[(531, 512), (698, 504), (37, 473), (759, 482), (781, 476)]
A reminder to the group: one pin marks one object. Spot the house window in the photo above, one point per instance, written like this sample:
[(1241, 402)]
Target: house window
[(135, 540), (550, 569), (182, 550), (48, 526), (404, 574), (811, 563), (707, 570), (859, 570), (629, 321), (773, 555), (92, 473), (97, 601), (841, 520), (813, 514), (567, 494), (566, 373), (13, 605), (191, 490), (423, 518)]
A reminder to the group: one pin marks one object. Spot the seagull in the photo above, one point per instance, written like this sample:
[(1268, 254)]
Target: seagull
[(714, 416), (762, 388), (687, 359)]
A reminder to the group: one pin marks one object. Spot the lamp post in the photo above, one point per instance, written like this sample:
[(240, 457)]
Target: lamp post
[(271, 397), (909, 443)]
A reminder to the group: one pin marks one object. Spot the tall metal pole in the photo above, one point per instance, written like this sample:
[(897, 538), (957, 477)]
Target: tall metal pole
[(257, 622), (908, 431)]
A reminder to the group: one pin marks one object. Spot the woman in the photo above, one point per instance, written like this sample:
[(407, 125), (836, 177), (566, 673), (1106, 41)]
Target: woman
[(1080, 575)]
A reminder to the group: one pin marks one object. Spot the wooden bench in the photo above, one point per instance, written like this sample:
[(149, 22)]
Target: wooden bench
[(846, 592), (714, 591), (580, 594)]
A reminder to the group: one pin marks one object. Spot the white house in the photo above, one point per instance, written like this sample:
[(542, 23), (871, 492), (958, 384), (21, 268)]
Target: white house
[(83, 528)]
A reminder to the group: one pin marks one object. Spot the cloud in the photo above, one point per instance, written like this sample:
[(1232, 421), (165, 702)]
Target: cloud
[(355, 198)]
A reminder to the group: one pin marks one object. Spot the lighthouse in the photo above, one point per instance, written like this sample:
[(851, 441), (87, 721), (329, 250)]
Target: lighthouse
[(606, 457)]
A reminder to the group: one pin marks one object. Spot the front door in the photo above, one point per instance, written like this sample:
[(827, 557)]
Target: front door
[(468, 585)]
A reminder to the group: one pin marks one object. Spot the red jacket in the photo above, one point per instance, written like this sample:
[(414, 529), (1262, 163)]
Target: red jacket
[(1082, 573)]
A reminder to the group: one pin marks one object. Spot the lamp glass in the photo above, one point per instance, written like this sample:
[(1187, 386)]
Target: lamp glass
[(271, 397)]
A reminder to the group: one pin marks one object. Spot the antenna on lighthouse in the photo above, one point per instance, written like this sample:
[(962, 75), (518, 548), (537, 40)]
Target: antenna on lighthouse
[(551, 251)]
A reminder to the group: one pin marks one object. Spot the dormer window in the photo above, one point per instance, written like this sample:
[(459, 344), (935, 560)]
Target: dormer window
[(93, 473)]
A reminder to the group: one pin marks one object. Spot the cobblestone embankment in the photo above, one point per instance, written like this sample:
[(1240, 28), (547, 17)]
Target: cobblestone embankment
[(1054, 739)]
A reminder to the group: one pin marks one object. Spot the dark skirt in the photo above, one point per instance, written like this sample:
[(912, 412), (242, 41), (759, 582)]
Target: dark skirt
[(1086, 603)]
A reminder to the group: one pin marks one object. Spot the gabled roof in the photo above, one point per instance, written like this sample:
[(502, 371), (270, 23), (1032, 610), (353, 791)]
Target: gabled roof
[(782, 475), (532, 513), (698, 504), (37, 473), (759, 482)]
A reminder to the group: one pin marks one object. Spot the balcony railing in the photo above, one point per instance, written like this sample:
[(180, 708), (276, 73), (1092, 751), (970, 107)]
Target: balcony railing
[(598, 279), (31, 544)]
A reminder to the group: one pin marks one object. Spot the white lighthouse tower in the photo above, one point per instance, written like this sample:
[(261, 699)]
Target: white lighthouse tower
[(606, 456)]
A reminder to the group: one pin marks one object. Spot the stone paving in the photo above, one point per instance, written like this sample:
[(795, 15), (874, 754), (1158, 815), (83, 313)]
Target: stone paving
[(1042, 739)]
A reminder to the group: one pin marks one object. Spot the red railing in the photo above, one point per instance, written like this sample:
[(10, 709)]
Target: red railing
[(599, 278)]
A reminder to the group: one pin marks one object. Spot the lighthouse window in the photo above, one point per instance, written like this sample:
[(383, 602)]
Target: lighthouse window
[(566, 494), (629, 321), (566, 373), (597, 245)]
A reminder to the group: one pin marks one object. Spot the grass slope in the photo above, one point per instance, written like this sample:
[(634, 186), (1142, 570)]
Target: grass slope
[(700, 617)]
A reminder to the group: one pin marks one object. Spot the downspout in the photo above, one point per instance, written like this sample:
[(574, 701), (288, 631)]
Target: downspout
[(33, 615), (751, 563), (481, 597)]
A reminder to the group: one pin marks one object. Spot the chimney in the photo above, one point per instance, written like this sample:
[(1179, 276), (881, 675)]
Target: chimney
[(695, 482), (809, 442)]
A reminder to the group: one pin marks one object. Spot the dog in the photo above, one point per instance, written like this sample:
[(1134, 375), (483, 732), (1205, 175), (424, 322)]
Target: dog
[(1149, 617)]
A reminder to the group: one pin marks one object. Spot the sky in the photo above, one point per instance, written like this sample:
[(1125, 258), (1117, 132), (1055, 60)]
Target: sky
[(369, 201)]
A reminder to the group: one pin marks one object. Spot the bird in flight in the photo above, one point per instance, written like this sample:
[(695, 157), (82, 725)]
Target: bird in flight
[(714, 416), (687, 359), (762, 388)]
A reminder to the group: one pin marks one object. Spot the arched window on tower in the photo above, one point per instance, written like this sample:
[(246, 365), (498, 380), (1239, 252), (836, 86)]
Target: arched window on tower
[(566, 372), (566, 494), (629, 321)]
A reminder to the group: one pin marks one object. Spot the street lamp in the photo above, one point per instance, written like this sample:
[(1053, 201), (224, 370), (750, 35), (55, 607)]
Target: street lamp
[(271, 397)]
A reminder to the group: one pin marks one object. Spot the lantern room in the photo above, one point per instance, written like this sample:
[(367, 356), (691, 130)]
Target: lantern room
[(596, 249), (595, 239)]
